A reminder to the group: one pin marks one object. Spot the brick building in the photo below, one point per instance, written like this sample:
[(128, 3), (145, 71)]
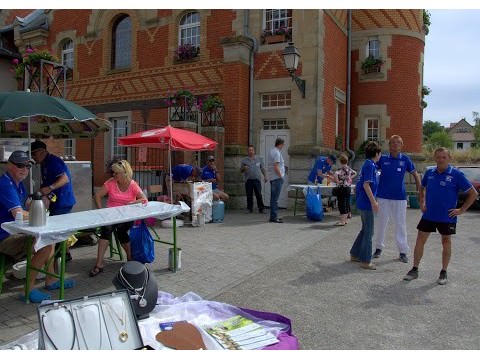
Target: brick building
[(127, 63)]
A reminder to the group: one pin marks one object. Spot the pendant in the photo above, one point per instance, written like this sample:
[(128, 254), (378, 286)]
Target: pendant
[(123, 336), (142, 302)]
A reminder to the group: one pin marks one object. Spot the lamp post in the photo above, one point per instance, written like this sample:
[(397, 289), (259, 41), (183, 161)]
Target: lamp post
[(291, 59)]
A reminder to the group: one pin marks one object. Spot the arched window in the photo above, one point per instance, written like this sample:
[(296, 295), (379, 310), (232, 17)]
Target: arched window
[(67, 53), (189, 30), (122, 42)]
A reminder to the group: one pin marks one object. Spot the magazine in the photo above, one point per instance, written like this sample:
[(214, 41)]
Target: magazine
[(240, 333)]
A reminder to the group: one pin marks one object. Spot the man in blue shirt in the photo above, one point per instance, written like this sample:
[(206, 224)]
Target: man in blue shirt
[(392, 197), (185, 172), (210, 174), (321, 169), (438, 200), (12, 201), (56, 179)]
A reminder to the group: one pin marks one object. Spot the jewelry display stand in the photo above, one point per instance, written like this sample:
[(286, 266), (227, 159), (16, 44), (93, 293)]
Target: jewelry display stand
[(97, 322)]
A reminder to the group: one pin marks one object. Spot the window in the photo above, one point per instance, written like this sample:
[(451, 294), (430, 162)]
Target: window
[(372, 129), (279, 100), (121, 42), (67, 53), (373, 48), (278, 18), (275, 124), (189, 31), (120, 128), (460, 146), (68, 146)]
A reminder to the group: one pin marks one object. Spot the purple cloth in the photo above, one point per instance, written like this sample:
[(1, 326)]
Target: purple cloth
[(288, 341)]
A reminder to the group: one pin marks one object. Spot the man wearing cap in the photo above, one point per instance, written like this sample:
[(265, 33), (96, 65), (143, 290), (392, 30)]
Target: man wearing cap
[(210, 174), (12, 201), (322, 169), (56, 179)]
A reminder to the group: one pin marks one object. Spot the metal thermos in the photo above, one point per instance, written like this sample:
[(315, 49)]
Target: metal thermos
[(37, 213)]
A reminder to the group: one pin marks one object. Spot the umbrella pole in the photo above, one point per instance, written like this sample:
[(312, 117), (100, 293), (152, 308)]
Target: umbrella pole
[(170, 173)]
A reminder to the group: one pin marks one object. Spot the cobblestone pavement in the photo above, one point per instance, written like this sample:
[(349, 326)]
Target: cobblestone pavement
[(300, 269)]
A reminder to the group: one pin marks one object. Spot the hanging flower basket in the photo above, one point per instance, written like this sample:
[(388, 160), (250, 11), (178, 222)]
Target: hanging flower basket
[(31, 57)]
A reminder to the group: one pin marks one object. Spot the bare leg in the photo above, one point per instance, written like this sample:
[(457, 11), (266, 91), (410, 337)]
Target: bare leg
[(422, 238), (39, 259), (343, 218), (447, 250), (126, 247), (102, 247)]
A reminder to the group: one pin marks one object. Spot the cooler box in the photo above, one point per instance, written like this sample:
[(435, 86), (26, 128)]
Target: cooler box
[(218, 211)]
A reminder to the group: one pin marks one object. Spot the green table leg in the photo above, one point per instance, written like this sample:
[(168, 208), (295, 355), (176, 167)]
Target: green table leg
[(295, 204), (29, 260), (62, 269)]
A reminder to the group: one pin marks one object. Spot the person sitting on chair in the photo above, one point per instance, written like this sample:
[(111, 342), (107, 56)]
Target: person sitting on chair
[(12, 198), (210, 174)]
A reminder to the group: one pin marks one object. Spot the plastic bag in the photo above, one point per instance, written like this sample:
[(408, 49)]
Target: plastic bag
[(314, 205), (141, 243)]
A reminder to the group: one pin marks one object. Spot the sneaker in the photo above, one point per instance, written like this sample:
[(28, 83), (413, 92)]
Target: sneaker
[(377, 253), (261, 211), (403, 258), (442, 279), (411, 275), (247, 211)]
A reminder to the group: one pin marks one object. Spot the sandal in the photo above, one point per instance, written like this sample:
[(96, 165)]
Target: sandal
[(340, 224), (368, 266), (36, 296), (67, 284), (95, 271)]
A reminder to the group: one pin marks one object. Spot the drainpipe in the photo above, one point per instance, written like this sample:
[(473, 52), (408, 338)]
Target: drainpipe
[(349, 80), (253, 50)]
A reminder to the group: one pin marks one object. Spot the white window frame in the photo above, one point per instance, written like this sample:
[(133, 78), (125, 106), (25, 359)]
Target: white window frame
[(373, 47), (275, 124), (368, 129), (183, 39), (274, 19), (69, 147), (279, 93), (117, 132), (67, 53)]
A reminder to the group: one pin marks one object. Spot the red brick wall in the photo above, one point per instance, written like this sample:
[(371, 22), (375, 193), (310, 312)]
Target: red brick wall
[(335, 75), (399, 93)]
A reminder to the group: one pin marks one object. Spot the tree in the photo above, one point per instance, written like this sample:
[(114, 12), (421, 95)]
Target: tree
[(476, 127), (439, 139), (431, 127)]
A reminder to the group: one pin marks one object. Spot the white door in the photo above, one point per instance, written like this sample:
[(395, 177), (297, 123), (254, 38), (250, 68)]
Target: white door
[(267, 141)]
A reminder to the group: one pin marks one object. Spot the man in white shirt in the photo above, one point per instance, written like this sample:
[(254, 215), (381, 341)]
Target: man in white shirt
[(276, 173)]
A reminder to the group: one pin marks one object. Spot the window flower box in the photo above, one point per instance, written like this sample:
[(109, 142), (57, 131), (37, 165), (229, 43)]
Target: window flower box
[(282, 34), (372, 65)]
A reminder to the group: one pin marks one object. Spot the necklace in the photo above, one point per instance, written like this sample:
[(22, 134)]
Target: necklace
[(88, 320), (55, 320), (142, 302), (122, 335)]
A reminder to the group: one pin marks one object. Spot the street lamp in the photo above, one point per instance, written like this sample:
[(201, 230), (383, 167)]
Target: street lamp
[(291, 58)]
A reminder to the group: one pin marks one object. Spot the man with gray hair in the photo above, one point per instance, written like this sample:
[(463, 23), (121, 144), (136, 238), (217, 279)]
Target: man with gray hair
[(276, 173), (252, 169)]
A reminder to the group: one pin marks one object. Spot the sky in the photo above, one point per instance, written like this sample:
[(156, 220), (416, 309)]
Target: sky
[(452, 65)]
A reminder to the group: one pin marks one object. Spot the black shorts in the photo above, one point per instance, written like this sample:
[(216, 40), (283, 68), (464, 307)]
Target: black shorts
[(120, 231), (443, 228)]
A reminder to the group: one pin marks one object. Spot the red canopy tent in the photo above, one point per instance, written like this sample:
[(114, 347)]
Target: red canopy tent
[(170, 138)]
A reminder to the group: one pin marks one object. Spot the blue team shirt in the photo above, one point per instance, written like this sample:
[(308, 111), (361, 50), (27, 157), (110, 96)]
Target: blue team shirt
[(181, 172), (207, 174), (368, 173), (320, 164), (11, 197), (442, 193), (52, 167), (392, 185)]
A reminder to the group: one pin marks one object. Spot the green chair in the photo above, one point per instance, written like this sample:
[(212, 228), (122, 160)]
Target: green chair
[(117, 250)]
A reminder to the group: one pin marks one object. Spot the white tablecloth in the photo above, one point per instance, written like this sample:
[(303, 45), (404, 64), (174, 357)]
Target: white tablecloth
[(60, 227)]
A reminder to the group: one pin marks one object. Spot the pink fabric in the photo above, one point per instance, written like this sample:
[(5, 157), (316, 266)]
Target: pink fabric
[(116, 197)]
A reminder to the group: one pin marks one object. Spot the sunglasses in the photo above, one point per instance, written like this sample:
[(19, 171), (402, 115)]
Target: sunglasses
[(23, 166), (211, 160)]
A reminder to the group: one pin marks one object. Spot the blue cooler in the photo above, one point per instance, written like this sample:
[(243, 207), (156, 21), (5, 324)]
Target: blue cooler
[(218, 211)]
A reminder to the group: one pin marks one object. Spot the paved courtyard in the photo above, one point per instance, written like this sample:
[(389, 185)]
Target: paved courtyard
[(301, 269)]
